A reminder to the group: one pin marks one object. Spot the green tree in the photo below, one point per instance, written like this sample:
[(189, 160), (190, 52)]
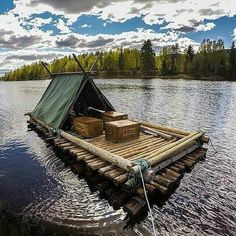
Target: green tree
[(147, 58), (232, 61), (190, 53), (121, 60)]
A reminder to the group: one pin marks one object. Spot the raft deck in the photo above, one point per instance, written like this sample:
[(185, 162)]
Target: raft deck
[(110, 178)]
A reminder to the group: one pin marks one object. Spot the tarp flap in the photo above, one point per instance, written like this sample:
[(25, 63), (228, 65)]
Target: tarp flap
[(57, 99)]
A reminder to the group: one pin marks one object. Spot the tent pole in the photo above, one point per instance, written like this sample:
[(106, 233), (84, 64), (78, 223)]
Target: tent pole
[(76, 59), (44, 65), (63, 67), (94, 63)]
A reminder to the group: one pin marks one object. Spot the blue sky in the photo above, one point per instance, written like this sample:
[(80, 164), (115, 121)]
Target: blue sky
[(33, 30)]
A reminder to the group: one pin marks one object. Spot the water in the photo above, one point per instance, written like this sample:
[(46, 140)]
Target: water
[(34, 181)]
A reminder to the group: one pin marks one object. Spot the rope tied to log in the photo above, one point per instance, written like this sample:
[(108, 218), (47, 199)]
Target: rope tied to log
[(55, 132), (146, 197), (134, 179)]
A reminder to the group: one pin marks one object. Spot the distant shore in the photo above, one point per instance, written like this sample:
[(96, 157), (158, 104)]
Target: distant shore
[(178, 76)]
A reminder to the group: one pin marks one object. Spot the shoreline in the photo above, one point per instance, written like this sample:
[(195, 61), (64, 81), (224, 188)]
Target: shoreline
[(141, 77)]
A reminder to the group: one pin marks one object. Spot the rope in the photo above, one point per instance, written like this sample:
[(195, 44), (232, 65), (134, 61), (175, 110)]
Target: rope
[(149, 208), (212, 145)]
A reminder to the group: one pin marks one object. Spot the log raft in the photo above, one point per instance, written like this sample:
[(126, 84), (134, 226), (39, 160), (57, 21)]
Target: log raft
[(108, 166)]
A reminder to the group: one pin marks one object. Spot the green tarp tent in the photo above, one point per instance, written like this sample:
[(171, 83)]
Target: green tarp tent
[(66, 92)]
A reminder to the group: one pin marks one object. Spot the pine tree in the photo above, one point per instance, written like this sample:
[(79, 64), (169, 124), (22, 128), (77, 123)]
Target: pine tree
[(148, 58), (121, 60), (190, 52)]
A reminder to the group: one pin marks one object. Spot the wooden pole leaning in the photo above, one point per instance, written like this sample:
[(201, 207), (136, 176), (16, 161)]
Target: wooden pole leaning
[(76, 59), (45, 66), (94, 63)]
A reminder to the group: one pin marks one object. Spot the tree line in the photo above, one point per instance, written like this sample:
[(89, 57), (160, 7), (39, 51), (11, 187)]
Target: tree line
[(211, 59)]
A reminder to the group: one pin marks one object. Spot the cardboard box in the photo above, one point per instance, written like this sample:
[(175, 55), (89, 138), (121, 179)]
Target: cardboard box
[(88, 127), (113, 116), (122, 130)]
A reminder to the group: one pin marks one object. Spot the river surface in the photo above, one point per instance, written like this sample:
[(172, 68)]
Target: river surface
[(34, 181)]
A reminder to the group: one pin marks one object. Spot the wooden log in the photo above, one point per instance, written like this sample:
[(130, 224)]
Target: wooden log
[(173, 168), (129, 143), (134, 206), (137, 146), (163, 181), (159, 188), (204, 139), (172, 173), (149, 146), (97, 165), (155, 132), (174, 148), (68, 148), (150, 152), (140, 151), (84, 156), (179, 165), (140, 192), (68, 144), (188, 164), (174, 158), (73, 152), (169, 177), (114, 173), (60, 142), (120, 179), (103, 154), (118, 147), (188, 158), (105, 169), (114, 169)]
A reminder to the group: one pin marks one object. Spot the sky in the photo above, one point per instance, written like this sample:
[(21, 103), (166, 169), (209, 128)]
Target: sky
[(32, 30)]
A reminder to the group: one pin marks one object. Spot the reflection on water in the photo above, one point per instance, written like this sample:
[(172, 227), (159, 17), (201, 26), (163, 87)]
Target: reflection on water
[(35, 181)]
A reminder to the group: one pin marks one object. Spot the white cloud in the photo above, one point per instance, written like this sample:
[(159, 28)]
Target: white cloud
[(85, 26), (119, 11), (13, 59), (63, 27), (38, 22), (205, 27), (234, 35), (175, 12)]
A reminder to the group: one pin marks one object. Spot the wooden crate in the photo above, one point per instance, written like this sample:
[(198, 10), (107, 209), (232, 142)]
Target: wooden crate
[(88, 127), (122, 130), (113, 116)]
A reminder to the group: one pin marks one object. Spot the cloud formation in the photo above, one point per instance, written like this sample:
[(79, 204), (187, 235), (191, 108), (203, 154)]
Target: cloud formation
[(17, 42), (27, 35)]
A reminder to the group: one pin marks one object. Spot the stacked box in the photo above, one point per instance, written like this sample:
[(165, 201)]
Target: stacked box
[(122, 130), (88, 127)]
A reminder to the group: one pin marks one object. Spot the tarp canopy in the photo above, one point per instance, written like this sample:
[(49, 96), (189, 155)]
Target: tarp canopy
[(63, 93)]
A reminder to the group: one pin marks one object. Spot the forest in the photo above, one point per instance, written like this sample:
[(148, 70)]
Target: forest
[(211, 60)]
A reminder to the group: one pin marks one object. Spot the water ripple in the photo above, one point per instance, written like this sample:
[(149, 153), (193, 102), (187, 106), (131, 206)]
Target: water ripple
[(35, 180)]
